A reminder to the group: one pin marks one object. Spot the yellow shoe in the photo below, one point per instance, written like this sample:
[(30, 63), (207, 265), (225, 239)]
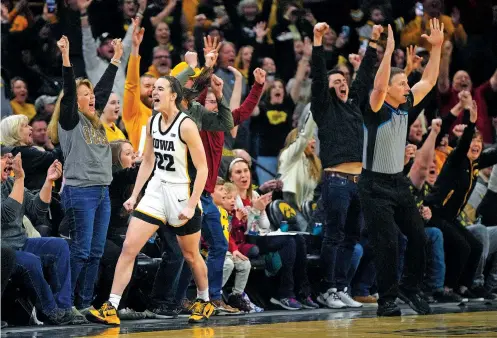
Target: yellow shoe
[(107, 314), (201, 311)]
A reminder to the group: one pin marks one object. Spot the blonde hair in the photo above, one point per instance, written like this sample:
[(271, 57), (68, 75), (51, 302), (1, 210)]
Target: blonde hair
[(10, 129), (53, 131), (229, 187), (315, 167)]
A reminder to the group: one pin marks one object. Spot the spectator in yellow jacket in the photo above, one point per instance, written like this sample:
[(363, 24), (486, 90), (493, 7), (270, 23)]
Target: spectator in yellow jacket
[(137, 101)]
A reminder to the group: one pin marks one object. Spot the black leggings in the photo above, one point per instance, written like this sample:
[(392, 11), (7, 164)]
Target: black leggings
[(293, 253), (462, 253)]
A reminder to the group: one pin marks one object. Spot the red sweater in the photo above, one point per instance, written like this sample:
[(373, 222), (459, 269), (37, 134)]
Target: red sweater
[(484, 121), (214, 140), (238, 228)]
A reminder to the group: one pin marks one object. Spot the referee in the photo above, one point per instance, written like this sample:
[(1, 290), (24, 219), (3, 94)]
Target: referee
[(386, 200)]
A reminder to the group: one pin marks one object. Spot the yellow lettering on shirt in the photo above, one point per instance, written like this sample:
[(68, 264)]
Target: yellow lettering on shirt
[(276, 117)]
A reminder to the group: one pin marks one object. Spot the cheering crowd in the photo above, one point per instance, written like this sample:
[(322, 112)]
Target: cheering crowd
[(208, 137)]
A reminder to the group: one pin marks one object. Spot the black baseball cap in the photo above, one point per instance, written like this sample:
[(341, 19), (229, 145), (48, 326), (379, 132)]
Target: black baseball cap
[(6, 150)]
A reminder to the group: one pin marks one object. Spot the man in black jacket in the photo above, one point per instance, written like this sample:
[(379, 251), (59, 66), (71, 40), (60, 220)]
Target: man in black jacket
[(337, 113)]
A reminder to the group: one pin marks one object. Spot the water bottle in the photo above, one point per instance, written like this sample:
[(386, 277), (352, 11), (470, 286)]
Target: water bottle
[(253, 226), (316, 230), (284, 226)]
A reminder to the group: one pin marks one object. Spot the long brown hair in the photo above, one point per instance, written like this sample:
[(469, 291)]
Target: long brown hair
[(315, 168), (53, 131), (116, 148)]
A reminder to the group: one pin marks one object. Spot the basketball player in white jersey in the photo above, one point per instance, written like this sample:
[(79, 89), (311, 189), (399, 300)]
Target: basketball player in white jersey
[(171, 199)]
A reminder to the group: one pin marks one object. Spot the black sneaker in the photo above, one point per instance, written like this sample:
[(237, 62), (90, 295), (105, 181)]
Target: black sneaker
[(60, 317), (238, 302), (130, 314), (388, 309), (427, 297), (480, 292), (446, 296), (162, 311), (415, 301), (471, 296)]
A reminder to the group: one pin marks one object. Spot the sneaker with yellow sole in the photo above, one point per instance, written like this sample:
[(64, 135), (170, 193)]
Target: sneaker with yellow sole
[(107, 314), (201, 311)]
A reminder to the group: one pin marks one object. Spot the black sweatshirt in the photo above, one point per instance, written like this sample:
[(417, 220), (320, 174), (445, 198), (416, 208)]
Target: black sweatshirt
[(340, 124), (35, 164), (457, 178), (119, 191)]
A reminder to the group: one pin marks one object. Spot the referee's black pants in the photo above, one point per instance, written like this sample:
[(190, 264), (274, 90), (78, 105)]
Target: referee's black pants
[(388, 207)]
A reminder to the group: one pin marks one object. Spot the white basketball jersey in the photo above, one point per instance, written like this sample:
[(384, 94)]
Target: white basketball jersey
[(173, 163)]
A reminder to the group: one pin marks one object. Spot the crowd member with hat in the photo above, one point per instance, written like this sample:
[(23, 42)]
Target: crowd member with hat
[(98, 54), (45, 105)]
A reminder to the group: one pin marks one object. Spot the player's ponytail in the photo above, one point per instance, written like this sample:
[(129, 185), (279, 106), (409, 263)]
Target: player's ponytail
[(177, 89)]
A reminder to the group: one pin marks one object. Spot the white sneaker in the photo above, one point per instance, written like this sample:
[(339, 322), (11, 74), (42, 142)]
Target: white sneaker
[(347, 300), (330, 299)]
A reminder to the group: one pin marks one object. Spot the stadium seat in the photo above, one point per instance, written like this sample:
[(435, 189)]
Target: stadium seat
[(279, 211), (308, 208)]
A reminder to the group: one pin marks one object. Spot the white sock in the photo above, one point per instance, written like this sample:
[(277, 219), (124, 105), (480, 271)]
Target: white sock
[(114, 300), (204, 295)]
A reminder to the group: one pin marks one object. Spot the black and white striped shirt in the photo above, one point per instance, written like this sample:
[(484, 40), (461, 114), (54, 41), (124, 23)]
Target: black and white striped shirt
[(385, 135)]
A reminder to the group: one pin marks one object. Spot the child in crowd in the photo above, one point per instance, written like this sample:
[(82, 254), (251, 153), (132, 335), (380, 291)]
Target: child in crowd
[(234, 260)]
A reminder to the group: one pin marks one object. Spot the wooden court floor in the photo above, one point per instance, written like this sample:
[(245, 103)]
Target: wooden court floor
[(448, 321)]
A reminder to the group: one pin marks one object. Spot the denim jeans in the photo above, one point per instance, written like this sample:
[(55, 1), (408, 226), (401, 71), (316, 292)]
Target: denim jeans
[(365, 275), (212, 232), (268, 162), (88, 213), (341, 229), (174, 275), (354, 262), (488, 237), (53, 255), (435, 273)]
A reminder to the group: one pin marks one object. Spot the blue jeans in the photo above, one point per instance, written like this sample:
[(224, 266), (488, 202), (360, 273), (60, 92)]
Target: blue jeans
[(268, 162), (88, 213), (212, 232), (53, 255), (174, 275), (341, 229), (354, 262), (435, 274)]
